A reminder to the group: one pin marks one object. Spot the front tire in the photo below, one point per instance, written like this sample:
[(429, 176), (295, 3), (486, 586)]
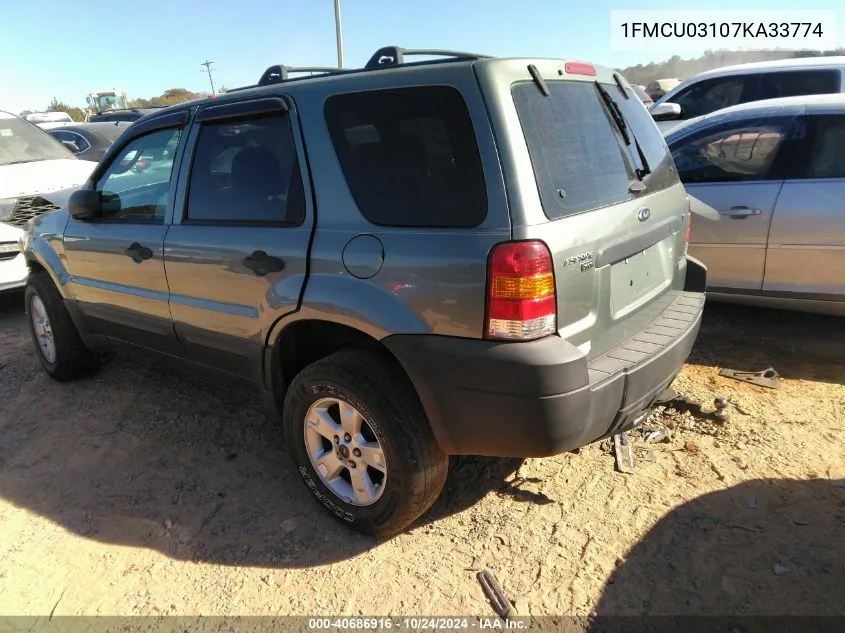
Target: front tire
[(57, 343), (362, 443)]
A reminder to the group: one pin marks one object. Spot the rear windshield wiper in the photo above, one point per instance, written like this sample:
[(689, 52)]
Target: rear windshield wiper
[(615, 113), (619, 120)]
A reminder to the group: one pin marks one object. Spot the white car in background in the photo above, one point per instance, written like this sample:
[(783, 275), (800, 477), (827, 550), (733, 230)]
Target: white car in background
[(49, 120), (744, 83), (35, 171)]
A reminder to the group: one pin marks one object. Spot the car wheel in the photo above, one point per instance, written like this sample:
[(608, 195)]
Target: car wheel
[(57, 343), (362, 443)]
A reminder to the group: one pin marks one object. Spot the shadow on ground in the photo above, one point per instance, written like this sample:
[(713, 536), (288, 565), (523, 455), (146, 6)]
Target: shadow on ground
[(798, 345), (762, 548), (144, 456)]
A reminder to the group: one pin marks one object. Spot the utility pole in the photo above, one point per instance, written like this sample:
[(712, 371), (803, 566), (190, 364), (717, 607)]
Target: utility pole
[(338, 33), (207, 65)]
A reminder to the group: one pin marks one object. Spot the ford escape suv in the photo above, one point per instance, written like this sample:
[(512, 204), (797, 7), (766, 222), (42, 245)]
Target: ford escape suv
[(415, 259)]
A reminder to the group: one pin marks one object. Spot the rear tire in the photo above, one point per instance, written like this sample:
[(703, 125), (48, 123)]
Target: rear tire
[(409, 470), (57, 342)]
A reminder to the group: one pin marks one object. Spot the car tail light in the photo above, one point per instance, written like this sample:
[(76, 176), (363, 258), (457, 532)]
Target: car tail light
[(579, 68), (521, 299)]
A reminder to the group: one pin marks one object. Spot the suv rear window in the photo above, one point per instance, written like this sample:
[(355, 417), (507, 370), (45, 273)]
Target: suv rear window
[(409, 156), (795, 83), (578, 157)]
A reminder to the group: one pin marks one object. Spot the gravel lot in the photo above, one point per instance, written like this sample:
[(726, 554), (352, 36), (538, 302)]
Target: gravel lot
[(145, 491)]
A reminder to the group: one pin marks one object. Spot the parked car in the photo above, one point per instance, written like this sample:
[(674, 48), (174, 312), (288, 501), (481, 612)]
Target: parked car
[(767, 185), (129, 114), (91, 140), (498, 266), (643, 95), (660, 87), (49, 120), (34, 167), (743, 83)]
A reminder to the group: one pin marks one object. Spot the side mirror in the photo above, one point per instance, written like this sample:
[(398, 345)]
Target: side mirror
[(84, 204), (667, 111), (71, 146)]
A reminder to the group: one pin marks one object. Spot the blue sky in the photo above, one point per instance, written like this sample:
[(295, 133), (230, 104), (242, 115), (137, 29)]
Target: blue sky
[(55, 48)]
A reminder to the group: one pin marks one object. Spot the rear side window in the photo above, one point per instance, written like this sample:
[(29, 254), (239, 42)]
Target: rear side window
[(409, 156), (737, 152), (577, 158), (796, 83)]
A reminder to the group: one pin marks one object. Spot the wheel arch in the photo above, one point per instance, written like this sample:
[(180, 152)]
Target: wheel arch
[(305, 341)]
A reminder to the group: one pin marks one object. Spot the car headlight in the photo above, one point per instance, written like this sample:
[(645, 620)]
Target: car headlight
[(7, 208)]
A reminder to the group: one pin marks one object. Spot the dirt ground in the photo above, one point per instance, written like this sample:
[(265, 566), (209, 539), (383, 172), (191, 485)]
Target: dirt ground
[(146, 491)]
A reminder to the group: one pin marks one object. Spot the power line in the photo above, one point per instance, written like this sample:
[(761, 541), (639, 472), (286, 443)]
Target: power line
[(207, 65)]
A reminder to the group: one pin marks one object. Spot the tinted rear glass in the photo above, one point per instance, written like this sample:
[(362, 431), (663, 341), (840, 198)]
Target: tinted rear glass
[(577, 154), (795, 83), (409, 156), (659, 158)]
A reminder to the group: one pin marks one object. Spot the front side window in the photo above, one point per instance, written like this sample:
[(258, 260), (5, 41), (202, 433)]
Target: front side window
[(136, 186), (710, 95), (409, 156), (737, 152), (245, 171)]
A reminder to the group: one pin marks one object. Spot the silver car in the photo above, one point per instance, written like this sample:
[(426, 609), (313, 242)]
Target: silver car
[(767, 187)]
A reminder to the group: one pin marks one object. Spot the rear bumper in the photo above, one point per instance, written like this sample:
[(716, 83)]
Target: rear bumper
[(544, 397)]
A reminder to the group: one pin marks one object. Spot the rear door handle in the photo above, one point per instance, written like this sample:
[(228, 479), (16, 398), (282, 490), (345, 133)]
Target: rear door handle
[(138, 253), (740, 211), (262, 264)]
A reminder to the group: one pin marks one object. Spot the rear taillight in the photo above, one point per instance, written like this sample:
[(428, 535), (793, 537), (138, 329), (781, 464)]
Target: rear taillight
[(521, 300), (689, 226)]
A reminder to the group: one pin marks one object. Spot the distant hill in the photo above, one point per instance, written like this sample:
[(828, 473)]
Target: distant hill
[(686, 68)]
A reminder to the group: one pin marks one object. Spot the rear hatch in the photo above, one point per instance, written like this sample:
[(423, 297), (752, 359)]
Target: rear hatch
[(589, 174)]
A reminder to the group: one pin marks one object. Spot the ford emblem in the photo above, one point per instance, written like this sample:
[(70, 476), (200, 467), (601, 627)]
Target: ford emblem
[(643, 215)]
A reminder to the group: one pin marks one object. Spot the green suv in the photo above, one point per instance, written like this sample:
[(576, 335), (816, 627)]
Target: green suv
[(411, 260)]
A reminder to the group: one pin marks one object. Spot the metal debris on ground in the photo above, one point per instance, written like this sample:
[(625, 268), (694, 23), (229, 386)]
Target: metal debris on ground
[(657, 436), (766, 378), (494, 593), (625, 460)]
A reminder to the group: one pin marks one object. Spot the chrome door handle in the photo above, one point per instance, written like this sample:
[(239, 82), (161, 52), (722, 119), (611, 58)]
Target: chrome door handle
[(740, 211)]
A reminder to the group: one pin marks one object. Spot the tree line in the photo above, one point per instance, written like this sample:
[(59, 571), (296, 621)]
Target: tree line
[(171, 96)]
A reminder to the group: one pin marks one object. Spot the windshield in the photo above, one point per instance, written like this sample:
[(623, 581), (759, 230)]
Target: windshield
[(110, 102), (23, 142)]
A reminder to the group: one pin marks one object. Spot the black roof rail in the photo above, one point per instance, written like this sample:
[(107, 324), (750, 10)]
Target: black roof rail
[(279, 72), (395, 56)]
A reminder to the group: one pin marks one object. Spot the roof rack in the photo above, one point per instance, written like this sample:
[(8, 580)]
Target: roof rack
[(395, 56), (385, 57), (279, 72)]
